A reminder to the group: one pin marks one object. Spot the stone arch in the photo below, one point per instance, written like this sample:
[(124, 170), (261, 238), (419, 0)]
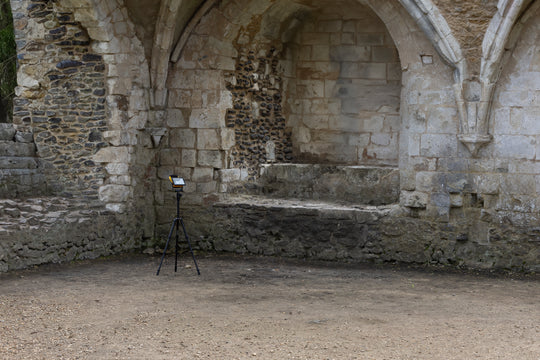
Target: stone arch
[(239, 47)]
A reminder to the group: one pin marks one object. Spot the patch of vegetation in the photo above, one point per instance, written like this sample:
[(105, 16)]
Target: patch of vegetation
[(8, 62)]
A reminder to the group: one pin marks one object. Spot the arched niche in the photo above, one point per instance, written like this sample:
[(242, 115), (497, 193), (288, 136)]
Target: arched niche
[(344, 84), (309, 82)]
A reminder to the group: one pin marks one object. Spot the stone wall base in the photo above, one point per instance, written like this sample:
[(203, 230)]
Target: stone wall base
[(52, 230), (356, 234)]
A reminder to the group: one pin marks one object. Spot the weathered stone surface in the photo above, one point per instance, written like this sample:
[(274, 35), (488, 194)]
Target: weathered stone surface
[(7, 132), (114, 193), (211, 158), (414, 199), (320, 230), (51, 230), (348, 184), (118, 154)]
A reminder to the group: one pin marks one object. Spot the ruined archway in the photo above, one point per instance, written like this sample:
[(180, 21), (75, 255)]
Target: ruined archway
[(247, 95)]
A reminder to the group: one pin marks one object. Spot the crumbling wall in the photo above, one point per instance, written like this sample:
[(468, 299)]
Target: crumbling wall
[(258, 82), (62, 99), (73, 104)]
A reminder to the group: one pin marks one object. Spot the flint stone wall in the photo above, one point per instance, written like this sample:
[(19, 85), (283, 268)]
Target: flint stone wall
[(66, 79), (63, 99)]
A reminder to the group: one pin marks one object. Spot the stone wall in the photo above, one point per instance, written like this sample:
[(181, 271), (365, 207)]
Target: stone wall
[(61, 100), (81, 96), (344, 89), (41, 230), (451, 188), (225, 93), (356, 234)]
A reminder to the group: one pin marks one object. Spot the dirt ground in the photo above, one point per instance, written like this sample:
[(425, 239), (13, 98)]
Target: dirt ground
[(264, 308)]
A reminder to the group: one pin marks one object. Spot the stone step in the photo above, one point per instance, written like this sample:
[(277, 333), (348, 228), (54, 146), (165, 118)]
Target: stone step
[(305, 206), (21, 182), (13, 162), (7, 132), (11, 148), (334, 183)]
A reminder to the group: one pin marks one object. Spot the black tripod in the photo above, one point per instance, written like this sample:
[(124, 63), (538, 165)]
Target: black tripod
[(177, 221)]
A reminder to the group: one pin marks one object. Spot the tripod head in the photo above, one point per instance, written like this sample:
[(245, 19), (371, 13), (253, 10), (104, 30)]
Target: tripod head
[(177, 183)]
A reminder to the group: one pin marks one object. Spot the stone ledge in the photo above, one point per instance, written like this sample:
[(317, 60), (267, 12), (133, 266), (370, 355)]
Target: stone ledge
[(307, 207), (330, 183)]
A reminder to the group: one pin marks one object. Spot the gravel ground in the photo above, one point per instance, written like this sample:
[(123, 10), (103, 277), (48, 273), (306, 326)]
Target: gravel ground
[(264, 308)]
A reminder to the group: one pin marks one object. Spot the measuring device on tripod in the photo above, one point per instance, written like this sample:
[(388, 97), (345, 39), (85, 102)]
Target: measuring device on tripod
[(178, 184)]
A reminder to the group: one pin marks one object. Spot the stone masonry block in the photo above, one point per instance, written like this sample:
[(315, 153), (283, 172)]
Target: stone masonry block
[(426, 180), (227, 139), (24, 137), (169, 157), (175, 118), (349, 70), (350, 53), (7, 132), (313, 38), (345, 123), (330, 26), (439, 205), (383, 54), (413, 199), (372, 71), (438, 145), (10, 162), (10, 148), (207, 187), (382, 139), (229, 175), (189, 158), (458, 182), (211, 158), (182, 138), (515, 146), (180, 98), (370, 38), (205, 118), (208, 139), (518, 184), (443, 120), (316, 121), (320, 53), (114, 193), (487, 183), (117, 168), (202, 174), (113, 154)]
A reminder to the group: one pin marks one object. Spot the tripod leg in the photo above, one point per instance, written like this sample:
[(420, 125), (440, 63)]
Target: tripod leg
[(176, 249), (189, 244), (175, 222)]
